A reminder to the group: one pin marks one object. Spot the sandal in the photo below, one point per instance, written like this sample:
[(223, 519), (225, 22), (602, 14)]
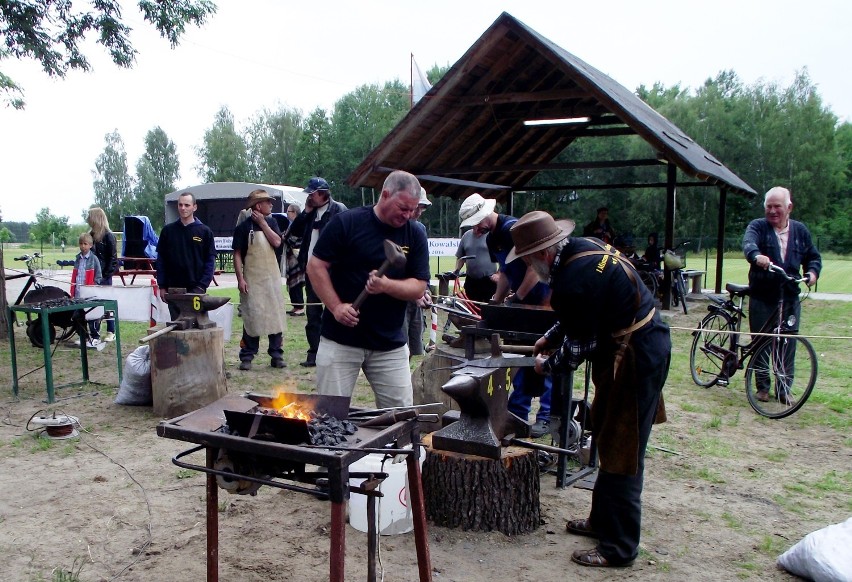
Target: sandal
[(580, 527), (594, 559)]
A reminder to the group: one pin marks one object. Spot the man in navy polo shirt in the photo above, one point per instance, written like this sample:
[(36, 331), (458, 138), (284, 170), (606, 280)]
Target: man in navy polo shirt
[(343, 263)]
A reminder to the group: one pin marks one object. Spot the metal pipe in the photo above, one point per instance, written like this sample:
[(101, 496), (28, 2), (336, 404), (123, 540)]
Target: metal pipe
[(212, 520)]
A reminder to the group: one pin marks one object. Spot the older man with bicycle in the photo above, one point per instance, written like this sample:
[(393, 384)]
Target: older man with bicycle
[(777, 239)]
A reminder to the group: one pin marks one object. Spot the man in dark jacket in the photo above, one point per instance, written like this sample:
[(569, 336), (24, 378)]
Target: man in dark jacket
[(323, 208), (606, 315), (186, 252), (784, 242)]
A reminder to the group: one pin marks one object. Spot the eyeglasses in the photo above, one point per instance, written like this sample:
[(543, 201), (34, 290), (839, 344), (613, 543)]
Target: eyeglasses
[(481, 228)]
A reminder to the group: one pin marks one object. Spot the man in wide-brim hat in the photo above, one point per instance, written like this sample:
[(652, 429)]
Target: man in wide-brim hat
[(259, 280), (606, 316)]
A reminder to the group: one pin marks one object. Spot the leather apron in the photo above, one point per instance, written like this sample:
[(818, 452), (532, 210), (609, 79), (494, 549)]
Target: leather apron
[(262, 308)]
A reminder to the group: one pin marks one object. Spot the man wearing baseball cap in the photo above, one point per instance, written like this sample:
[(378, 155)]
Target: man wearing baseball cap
[(323, 208), (605, 315), (259, 280)]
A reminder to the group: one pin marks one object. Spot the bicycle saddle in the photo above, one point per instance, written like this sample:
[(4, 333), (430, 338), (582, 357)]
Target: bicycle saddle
[(737, 290)]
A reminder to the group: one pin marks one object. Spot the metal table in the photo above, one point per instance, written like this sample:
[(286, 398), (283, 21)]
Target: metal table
[(202, 427), (44, 313)]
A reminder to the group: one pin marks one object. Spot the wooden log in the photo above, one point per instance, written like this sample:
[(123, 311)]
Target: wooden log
[(187, 370), (480, 494)]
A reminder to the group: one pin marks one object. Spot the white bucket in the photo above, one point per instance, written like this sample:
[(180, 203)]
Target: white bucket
[(393, 510)]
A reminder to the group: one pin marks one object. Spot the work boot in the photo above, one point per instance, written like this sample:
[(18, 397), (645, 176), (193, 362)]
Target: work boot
[(245, 366), (309, 364), (540, 428), (278, 363)]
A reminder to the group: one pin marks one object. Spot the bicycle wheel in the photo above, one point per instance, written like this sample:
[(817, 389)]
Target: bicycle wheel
[(680, 288), (710, 347), (650, 281), (781, 375)]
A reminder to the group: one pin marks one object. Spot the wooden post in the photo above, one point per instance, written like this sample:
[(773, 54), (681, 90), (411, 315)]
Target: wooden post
[(187, 370), (481, 494)]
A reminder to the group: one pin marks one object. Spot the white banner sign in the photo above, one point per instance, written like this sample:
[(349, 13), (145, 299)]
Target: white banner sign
[(223, 243), (443, 247)]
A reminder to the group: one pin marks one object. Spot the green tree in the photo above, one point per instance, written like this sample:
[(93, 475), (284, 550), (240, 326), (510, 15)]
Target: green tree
[(6, 235), (51, 33), (112, 184), (272, 138), (224, 155), (49, 229), (313, 151), (361, 119), (157, 171)]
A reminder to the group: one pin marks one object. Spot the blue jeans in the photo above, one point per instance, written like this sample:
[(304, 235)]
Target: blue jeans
[(519, 401), (95, 326)]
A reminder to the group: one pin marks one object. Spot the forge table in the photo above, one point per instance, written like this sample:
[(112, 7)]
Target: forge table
[(44, 313), (202, 427)]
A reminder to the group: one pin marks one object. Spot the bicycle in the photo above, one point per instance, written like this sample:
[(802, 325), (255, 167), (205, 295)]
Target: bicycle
[(35, 292), (782, 367), (674, 264)]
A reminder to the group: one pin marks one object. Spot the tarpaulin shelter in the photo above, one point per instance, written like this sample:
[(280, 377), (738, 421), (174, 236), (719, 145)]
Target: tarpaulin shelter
[(219, 203)]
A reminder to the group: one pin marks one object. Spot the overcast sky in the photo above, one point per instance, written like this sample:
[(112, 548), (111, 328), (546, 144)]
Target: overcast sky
[(257, 54)]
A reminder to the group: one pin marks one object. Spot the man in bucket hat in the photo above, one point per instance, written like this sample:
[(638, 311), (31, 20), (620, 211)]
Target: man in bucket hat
[(607, 316), (515, 284), (256, 239)]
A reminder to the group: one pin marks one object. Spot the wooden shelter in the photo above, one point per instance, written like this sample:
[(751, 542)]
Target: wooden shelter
[(471, 132)]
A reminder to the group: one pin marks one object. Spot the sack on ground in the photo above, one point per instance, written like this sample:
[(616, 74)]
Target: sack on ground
[(822, 555), (135, 387)]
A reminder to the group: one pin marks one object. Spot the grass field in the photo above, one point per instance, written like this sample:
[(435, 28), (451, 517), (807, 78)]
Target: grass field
[(836, 274)]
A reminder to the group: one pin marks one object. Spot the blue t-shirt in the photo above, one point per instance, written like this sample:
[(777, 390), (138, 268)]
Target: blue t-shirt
[(499, 244), (353, 243)]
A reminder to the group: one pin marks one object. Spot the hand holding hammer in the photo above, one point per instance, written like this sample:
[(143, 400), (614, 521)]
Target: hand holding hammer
[(394, 258)]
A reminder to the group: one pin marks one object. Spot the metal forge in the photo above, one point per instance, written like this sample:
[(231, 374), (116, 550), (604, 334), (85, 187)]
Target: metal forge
[(246, 449)]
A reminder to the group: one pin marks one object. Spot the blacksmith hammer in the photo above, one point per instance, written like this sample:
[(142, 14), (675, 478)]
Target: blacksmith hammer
[(394, 258)]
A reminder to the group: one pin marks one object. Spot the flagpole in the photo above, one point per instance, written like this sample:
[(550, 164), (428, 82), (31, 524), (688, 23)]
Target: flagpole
[(411, 82)]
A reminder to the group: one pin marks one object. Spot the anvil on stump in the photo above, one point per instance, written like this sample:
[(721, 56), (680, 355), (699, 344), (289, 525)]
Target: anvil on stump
[(484, 419), (470, 480), (192, 309)]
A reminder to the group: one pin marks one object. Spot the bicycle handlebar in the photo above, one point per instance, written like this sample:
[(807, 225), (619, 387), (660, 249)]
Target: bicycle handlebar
[(28, 258), (776, 269)]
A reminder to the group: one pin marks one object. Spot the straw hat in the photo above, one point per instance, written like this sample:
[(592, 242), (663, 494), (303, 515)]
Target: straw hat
[(474, 209), (257, 196), (536, 231)]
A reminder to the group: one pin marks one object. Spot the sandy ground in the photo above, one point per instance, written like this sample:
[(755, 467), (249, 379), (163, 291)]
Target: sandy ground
[(113, 503)]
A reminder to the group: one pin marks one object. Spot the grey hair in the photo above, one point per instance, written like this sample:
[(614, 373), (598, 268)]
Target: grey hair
[(778, 190), (401, 181), (556, 248)]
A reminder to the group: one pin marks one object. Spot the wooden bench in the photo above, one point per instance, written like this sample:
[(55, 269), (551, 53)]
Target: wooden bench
[(695, 278)]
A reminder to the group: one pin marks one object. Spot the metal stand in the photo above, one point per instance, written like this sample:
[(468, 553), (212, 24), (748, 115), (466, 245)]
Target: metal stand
[(44, 313), (563, 389)]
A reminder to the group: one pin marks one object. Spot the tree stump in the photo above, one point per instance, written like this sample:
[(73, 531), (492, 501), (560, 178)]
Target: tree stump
[(187, 370), (480, 494)]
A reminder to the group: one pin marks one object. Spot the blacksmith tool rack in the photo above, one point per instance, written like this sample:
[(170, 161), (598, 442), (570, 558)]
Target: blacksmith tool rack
[(523, 326), (43, 311), (282, 465)]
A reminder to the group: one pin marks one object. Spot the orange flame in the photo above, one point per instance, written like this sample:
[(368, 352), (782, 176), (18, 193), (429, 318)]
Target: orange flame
[(284, 405)]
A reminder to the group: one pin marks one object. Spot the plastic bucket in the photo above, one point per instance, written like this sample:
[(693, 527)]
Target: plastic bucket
[(393, 511)]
